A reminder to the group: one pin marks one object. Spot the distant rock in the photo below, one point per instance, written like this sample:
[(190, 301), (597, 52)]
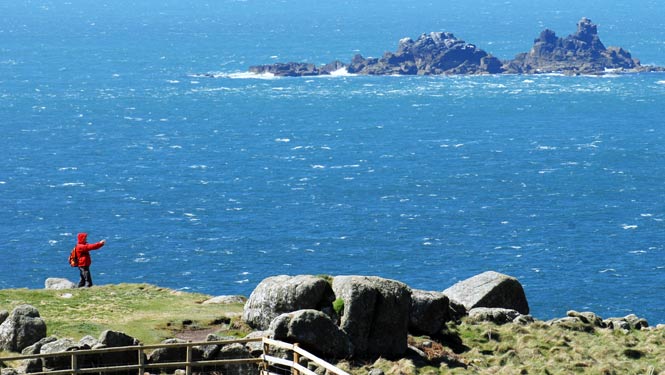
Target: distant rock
[(225, 300), (495, 315), (430, 54), (22, 328), (442, 53), (489, 289), (283, 294), (58, 283), (578, 53), (375, 314)]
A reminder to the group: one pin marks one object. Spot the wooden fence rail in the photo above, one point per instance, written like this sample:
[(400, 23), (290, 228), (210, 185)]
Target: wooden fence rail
[(266, 361)]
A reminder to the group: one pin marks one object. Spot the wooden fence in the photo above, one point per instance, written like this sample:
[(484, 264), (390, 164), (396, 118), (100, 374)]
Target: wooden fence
[(268, 364)]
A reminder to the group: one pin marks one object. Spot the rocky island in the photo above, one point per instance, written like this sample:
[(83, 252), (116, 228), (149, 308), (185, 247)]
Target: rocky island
[(439, 53)]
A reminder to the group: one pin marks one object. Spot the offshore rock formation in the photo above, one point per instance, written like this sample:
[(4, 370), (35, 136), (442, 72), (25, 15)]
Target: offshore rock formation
[(579, 53), (442, 53)]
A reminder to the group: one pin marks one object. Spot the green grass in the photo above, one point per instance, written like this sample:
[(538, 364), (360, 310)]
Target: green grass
[(151, 314), (534, 349), (146, 312)]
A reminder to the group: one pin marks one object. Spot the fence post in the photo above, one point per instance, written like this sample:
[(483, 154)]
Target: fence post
[(188, 359), (75, 365), (266, 351), (296, 359), (141, 361)]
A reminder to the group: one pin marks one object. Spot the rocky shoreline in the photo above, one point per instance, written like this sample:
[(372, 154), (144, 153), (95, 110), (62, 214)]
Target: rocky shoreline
[(356, 318), (441, 53)]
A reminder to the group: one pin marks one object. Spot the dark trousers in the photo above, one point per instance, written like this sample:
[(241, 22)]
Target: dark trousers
[(86, 278)]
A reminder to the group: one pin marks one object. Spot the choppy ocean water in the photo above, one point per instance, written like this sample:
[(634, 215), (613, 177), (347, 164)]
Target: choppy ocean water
[(212, 184)]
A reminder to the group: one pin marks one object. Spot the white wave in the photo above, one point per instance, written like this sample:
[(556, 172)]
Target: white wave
[(284, 140), (172, 81), (627, 226), (646, 215), (661, 82), (341, 72), (3, 182), (68, 169), (141, 260), (637, 252), (242, 281), (69, 184), (52, 242), (318, 166), (247, 75), (608, 270)]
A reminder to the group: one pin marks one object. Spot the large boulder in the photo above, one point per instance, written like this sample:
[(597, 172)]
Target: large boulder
[(315, 331), (283, 294), (58, 283), (489, 289), (22, 328), (375, 314), (429, 312)]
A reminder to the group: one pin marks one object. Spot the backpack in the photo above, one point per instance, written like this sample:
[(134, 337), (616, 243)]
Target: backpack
[(73, 259)]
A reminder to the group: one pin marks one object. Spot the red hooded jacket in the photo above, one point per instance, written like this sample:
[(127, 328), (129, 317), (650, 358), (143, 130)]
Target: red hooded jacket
[(83, 249)]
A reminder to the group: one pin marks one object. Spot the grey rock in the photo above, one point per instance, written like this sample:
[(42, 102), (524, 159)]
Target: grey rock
[(225, 300), (376, 314), (36, 347), (489, 289), (112, 339), (429, 312), (8, 371), (375, 371), (573, 324), (236, 351), (524, 320), (314, 331), (256, 348), (58, 283), (57, 346), (22, 328), (283, 294), (88, 342), (587, 317), (628, 322), (171, 354), (495, 315)]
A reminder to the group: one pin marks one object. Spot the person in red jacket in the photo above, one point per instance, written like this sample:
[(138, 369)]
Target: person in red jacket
[(83, 249)]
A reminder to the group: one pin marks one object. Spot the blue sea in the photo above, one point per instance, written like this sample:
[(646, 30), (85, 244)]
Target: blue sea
[(112, 125)]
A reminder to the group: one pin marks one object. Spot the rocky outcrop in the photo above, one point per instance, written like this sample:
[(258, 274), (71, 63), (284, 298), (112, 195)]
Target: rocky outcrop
[(495, 315), (58, 283), (283, 294), (429, 312), (225, 300), (578, 53), (22, 328), (442, 53), (430, 54), (489, 289), (375, 314), (315, 331)]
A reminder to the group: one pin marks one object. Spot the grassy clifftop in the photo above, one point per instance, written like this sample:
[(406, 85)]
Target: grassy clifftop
[(151, 314), (146, 312)]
